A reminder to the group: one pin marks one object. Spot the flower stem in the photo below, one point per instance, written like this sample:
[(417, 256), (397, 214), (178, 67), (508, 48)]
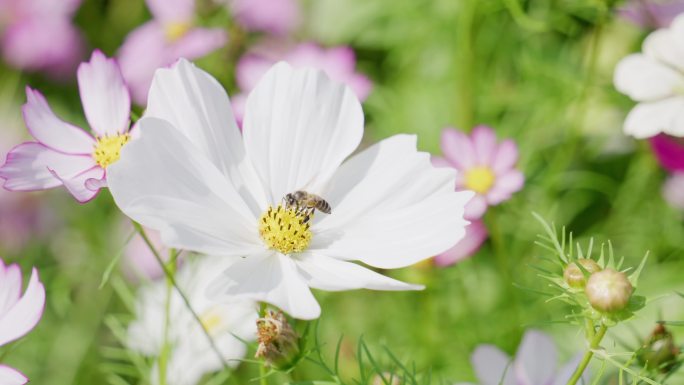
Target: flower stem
[(595, 342), (186, 301), (166, 347)]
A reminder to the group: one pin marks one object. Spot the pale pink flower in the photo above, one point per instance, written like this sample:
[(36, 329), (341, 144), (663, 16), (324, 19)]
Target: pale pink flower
[(63, 154), (170, 35), (139, 263), (486, 167), (339, 63), (475, 235), (18, 313), (276, 17), (651, 13), (673, 190), (38, 35)]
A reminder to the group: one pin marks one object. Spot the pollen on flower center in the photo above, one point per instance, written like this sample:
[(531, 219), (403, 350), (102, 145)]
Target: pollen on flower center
[(108, 149), (176, 30), (285, 229), (479, 179)]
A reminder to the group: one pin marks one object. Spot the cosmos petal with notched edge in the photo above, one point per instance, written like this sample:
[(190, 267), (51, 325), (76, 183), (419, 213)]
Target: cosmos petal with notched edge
[(104, 95), (536, 359), (476, 234), (11, 376), (195, 104), (643, 78), (458, 149), (49, 130), (667, 45), (167, 184), (650, 118), (298, 128), (325, 273), (78, 185), (25, 314), (268, 277), (484, 144), (492, 366), (169, 11), (28, 167), (374, 194)]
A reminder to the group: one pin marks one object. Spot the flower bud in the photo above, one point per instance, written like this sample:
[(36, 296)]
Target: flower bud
[(574, 276), (608, 290), (278, 342), (660, 351)]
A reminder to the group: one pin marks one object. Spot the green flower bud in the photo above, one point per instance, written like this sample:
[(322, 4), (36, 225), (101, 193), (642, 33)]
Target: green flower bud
[(608, 290), (573, 274), (660, 351), (278, 342)]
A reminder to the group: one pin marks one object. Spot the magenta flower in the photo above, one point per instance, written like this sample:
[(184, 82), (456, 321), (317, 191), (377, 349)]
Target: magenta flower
[(63, 154), (276, 17), (18, 313), (535, 363), (650, 13), (669, 151), (485, 167), (170, 35), (38, 35), (339, 63)]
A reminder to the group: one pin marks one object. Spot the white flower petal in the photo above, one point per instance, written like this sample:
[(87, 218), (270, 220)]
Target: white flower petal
[(298, 127), (269, 277), (666, 46), (49, 130), (325, 273), (196, 104), (390, 207), (10, 286), (104, 95), (165, 183), (643, 78), (649, 119), (492, 366), (25, 313), (11, 376), (28, 166), (536, 359)]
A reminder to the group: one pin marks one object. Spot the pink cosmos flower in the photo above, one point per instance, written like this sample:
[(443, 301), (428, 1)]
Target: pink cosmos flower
[(669, 151), (38, 35), (276, 17), (339, 63), (485, 167), (650, 13), (475, 235), (63, 154), (169, 36), (18, 313), (535, 363)]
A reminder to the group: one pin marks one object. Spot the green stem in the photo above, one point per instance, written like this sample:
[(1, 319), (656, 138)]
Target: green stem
[(166, 347), (186, 301), (595, 342)]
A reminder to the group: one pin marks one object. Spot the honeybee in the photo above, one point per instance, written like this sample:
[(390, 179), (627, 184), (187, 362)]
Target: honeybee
[(304, 200)]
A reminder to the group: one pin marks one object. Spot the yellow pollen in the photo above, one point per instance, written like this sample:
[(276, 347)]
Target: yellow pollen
[(285, 229), (176, 30), (108, 149), (479, 179)]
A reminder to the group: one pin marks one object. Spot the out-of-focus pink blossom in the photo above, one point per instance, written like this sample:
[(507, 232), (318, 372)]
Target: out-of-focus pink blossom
[(337, 62), (63, 154), (19, 313), (652, 13), (276, 17), (139, 262), (38, 35), (170, 35), (669, 151), (486, 167), (673, 190), (476, 234)]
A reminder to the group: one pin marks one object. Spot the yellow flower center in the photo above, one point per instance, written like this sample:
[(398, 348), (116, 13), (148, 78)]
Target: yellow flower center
[(176, 30), (479, 179), (285, 229), (108, 149), (212, 321)]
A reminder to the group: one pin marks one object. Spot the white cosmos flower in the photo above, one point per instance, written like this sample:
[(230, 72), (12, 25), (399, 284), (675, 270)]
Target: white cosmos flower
[(209, 189), (192, 355), (655, 79)]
